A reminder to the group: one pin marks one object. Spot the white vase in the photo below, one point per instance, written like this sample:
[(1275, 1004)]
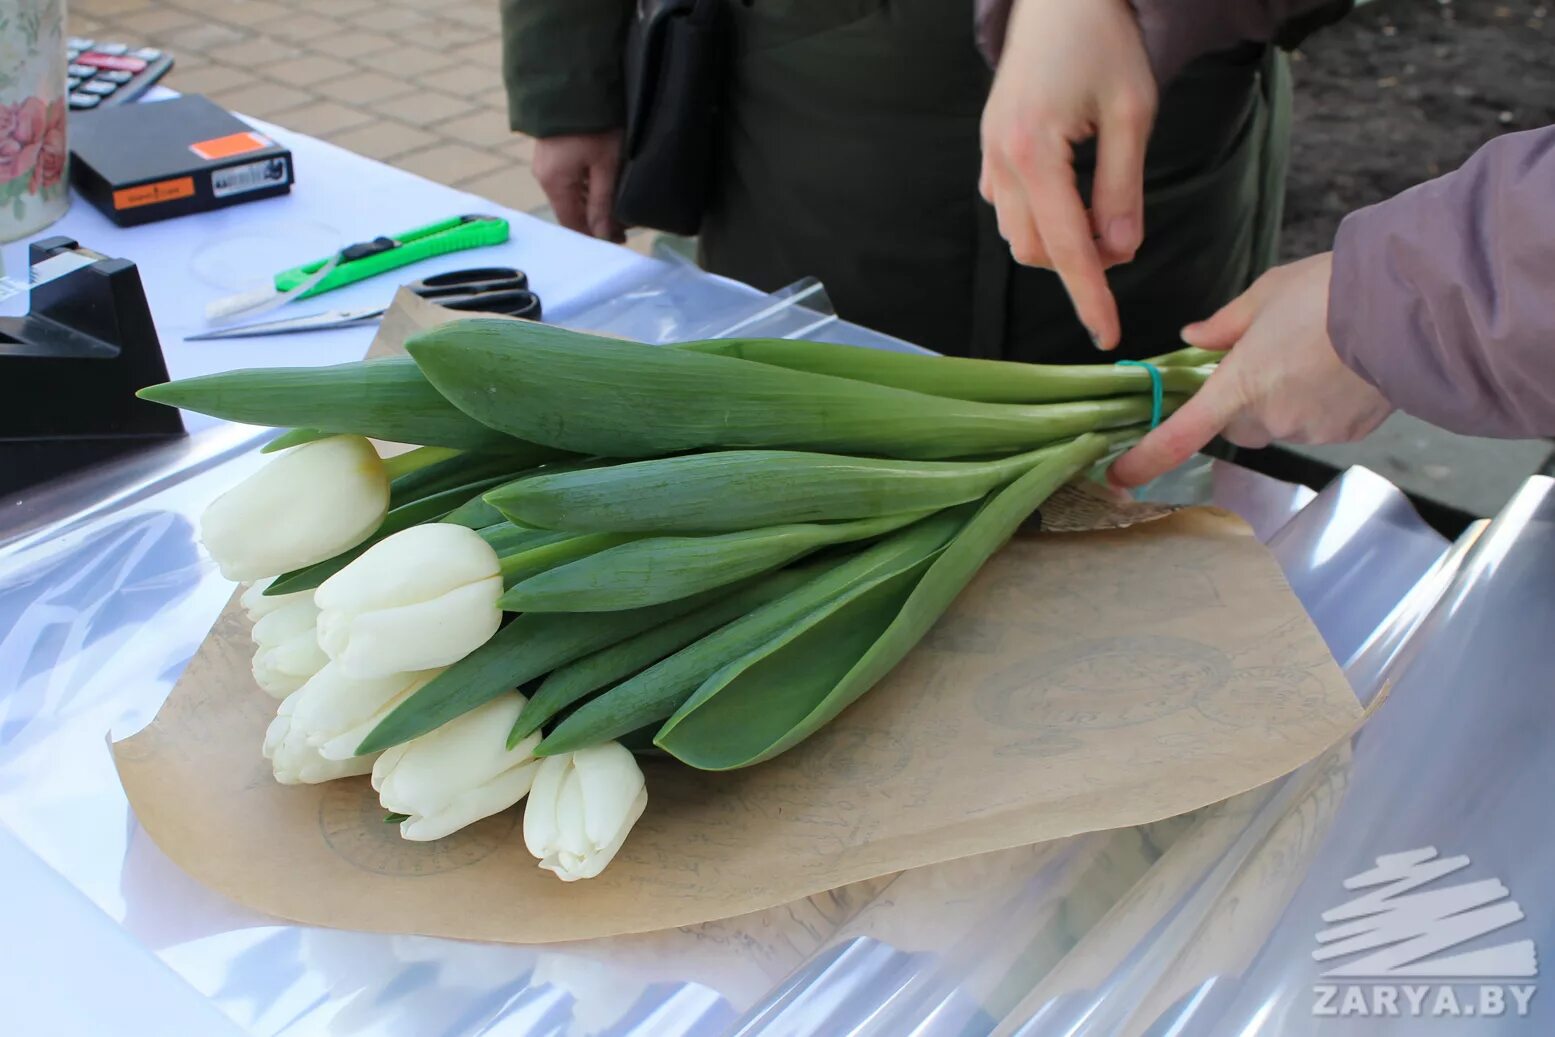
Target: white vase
[(34, 180)]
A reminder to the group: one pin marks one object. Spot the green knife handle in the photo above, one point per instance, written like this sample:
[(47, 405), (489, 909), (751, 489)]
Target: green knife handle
[(423, 243)]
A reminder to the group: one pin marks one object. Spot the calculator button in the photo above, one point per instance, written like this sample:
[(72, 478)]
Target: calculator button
[(82, 71), (80, 43), (98, 87), (97, 59), (72, 83), (115, 77), (70, 55), (84, 101), (146, 53), (114, 49)]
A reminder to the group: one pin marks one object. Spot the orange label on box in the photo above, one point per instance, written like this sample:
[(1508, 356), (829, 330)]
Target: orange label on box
[(230, 145), (148, 194)]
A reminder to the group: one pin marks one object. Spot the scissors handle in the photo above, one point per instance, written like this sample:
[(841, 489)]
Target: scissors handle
[(475, 279), (497, 289), (516, 303)]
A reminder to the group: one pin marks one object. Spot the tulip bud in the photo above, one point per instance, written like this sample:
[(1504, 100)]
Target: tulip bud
[(459, 773), (422, 598), (581, 808), (295, 762), (288, 650), (333, 712), (258, 605), (311, 503)]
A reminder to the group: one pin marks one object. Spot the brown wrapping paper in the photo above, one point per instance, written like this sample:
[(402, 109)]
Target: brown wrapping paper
[(1083, 681)]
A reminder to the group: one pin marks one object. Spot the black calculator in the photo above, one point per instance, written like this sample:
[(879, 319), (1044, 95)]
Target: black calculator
[(104, 73)]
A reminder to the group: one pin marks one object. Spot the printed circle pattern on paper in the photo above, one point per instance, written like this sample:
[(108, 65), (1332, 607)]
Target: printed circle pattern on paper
[(1109, 682), (351, 821), (1293, 691)]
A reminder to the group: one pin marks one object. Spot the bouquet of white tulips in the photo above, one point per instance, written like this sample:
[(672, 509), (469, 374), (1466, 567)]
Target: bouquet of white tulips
[(600, 549), (343, 655)]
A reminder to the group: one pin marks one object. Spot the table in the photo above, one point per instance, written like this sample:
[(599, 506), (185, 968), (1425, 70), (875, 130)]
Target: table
[(1202, 924)]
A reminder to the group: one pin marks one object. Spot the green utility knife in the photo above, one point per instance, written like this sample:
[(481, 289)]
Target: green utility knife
[(369, 258)]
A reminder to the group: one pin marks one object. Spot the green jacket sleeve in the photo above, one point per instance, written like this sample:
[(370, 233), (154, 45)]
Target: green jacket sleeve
[(561, 62)]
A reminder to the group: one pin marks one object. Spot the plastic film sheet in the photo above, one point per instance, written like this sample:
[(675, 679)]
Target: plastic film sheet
[(1201, 924)]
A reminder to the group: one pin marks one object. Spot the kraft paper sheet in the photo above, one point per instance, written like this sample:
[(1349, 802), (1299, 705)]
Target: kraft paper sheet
[(1083, 681)]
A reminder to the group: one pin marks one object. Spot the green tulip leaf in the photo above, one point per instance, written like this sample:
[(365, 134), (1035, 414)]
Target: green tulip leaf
[(784, 691)]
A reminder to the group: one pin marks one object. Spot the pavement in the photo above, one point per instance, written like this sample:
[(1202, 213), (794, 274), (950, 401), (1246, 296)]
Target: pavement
[(415, 83), (418, 84)]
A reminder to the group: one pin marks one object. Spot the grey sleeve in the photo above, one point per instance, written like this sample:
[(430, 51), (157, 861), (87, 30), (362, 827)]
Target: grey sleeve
[(1444, 297)]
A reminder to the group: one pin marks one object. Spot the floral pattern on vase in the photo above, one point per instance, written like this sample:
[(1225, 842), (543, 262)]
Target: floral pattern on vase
[(34, 156)]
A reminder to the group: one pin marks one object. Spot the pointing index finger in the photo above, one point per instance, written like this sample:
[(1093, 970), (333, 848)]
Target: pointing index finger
[(1066, 231)]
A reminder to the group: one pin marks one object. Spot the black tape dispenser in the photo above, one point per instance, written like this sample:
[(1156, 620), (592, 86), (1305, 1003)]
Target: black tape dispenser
[(70, 367)]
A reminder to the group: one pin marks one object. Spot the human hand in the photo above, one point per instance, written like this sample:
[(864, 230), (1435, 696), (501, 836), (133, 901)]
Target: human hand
[(1071, 70), (1282, 380), (578, 172)]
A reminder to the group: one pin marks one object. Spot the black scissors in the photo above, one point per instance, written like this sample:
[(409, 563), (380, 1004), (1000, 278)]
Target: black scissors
[(489, 289)]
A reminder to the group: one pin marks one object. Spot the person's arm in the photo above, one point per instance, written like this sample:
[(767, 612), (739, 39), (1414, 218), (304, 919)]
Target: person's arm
[(1051, 93), (562, 65), (1437, 302), (1444, 297)]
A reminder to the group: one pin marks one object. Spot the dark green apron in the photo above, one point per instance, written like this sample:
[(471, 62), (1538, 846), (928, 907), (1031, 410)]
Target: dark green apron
[(851, 154)]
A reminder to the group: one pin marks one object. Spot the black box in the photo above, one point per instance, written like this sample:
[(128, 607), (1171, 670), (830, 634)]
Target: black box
[(149, 161)]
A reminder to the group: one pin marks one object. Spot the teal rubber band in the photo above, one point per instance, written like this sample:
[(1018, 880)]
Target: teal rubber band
[(1157, 389)]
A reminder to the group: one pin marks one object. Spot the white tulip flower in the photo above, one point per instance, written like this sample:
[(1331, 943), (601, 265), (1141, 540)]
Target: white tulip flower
[(287, 651), (258, 605), (422, 598), (581, 808), (311, 503), (295, 762), (333, 711), (459, 773)]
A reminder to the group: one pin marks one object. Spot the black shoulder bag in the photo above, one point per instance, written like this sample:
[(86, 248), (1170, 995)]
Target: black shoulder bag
[(676, 53)]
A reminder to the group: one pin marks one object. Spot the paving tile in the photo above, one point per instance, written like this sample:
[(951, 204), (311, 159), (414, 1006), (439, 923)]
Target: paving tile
[(485, 128), (409, 60), (254, 52), (485, 53), (157, 20), (80, 24), (235, 12), (201, 39), (183, 60), (449, 163), (400, 20), (428, 108), (211, 79), (484, 16), (322, 118), (446, 33), (267, 99), (367, 90), (299, 27), (468, 80), (512, 186), (109, 8), (341, 8), (383, 140), (308, 69), (352, 43)]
